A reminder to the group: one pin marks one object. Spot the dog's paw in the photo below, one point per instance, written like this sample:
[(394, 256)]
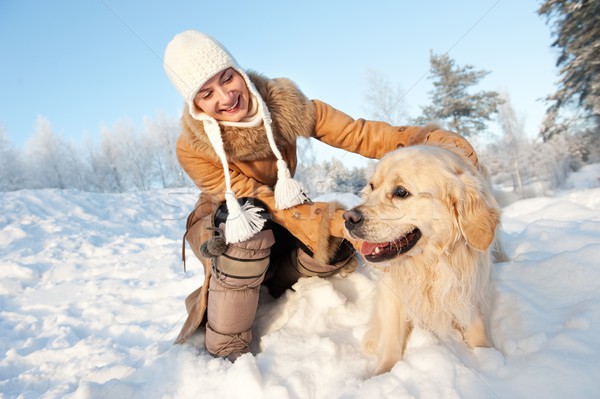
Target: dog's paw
[(369, 344), (386, 362), (384, 367)]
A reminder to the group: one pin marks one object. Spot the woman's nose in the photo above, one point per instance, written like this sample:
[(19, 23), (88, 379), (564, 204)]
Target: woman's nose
[(224, 95)]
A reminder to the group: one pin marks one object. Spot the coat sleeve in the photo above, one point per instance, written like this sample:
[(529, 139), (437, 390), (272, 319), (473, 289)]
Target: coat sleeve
[(374, 139), (208, 175)]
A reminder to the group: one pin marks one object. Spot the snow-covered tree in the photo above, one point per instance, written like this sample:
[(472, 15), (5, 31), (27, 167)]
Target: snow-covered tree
[(358, 179), (307, 171), (139, 155), (552, 161), (132, 159), (109, 163), (336, 177), (451, 103), (576, 29), (161, 135), (384, 101), (340, 175), (584, 147), (11, 169), (513, 142), (542, 165), (50, 161)]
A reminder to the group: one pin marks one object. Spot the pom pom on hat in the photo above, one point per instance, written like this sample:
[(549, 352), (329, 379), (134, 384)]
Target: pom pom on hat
[(191, 59)]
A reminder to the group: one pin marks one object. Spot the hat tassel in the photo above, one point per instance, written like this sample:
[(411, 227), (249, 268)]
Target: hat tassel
[(242, 222), (288, 192)]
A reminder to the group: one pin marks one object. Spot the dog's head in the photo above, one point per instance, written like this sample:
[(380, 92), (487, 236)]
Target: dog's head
[(423, 198)]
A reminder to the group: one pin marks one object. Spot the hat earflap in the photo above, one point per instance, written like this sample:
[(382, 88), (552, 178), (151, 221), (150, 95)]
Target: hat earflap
[(244, 221), (288, 192)]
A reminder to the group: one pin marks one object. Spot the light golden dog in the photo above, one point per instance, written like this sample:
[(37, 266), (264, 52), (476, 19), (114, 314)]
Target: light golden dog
[(428, 220)]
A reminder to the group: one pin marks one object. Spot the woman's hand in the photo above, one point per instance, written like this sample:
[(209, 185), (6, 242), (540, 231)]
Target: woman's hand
[(432, 134)]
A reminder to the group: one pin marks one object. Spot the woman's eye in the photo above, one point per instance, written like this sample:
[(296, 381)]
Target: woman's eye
[(205, 95), (227, 78), (401, 192)]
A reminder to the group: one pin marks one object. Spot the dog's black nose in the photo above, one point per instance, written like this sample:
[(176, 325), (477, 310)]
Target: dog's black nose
[(353, 218)]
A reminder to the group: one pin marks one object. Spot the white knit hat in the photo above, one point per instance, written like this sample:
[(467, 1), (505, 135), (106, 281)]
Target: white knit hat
[(191, 59)]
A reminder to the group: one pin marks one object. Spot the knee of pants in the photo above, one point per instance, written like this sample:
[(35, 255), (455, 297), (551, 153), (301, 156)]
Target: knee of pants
[(245, 263)]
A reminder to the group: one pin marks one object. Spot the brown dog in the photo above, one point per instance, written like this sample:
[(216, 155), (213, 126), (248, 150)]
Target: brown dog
[(428, 220)]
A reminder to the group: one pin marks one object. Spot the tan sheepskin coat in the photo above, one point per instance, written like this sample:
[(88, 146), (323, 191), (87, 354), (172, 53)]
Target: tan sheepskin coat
[(253, 169)]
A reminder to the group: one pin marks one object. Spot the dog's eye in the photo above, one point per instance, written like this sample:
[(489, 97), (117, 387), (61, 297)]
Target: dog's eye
[(401, 192), (371, 186)]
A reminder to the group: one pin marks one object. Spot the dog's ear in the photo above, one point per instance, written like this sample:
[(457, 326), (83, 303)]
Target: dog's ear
[(476, 210)]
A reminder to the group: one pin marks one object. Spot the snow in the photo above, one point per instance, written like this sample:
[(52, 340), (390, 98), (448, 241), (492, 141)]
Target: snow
[(92, 290)]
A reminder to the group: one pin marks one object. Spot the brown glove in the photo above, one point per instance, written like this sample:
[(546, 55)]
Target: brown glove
[(433, 134)]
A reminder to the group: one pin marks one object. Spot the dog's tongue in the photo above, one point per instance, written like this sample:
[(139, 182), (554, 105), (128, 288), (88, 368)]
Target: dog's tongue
[(368, 248)]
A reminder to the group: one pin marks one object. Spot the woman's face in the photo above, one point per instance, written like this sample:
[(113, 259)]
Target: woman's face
[(224, 97)]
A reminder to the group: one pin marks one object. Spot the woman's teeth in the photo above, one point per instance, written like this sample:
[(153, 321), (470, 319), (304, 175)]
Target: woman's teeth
[(234, 106)]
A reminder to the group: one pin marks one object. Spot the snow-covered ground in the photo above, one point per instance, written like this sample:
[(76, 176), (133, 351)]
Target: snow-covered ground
[(92, 289)]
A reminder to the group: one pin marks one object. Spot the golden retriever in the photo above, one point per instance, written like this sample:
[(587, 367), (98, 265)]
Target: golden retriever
[(428, 220)]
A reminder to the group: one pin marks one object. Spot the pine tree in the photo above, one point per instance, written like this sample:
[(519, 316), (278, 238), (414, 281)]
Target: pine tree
[(451, 104), (576, 28)]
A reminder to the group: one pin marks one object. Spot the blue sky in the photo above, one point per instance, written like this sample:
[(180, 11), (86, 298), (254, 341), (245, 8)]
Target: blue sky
[(88, 64)]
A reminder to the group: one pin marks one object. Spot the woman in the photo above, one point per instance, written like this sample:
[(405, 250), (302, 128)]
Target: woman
[(252, 223)]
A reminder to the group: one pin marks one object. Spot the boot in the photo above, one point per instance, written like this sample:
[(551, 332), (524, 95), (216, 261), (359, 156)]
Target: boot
[(233, 295)]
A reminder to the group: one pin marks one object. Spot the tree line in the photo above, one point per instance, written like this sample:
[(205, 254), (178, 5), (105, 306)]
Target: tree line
[(125, 158)]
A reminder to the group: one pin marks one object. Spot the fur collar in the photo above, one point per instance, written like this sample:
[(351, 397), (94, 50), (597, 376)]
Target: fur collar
[(292, 113)]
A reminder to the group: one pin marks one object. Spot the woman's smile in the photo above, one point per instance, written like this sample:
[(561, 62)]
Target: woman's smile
[(224, 97)]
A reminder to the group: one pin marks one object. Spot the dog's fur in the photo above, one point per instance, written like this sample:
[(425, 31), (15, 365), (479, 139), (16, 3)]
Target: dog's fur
[(435, 219)]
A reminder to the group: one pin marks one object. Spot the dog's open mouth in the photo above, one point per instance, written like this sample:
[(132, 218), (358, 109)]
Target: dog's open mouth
[(381, 251)]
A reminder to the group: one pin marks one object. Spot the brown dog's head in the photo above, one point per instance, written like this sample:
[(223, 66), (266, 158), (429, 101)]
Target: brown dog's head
[(423, 197)]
